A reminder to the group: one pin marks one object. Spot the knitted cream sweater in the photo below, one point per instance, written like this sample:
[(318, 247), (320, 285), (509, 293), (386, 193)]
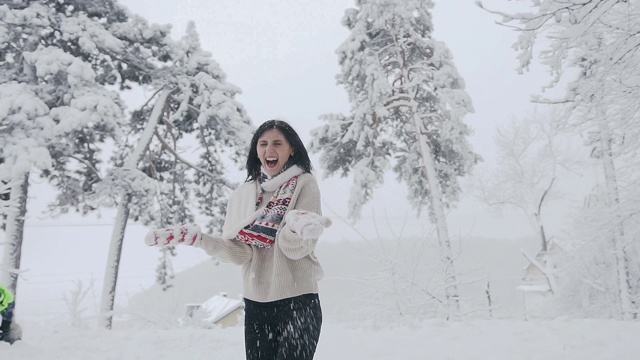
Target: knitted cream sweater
[(286, 269)]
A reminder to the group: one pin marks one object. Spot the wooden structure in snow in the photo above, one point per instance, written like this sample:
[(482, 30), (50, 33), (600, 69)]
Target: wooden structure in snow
[(538, 275), (538, 279)]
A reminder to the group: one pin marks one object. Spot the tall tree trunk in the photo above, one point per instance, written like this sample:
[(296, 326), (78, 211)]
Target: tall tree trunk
[(5, 196), (541, 233), (537, 215), (113, 262), (440, 220), (626, 306), (15, 232), (117, 237)]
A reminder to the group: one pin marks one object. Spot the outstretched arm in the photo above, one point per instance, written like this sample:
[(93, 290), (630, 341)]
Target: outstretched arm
[(232, 251), (191, 235)]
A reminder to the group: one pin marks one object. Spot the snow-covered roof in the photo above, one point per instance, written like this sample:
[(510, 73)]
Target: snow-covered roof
[(534, 287), (219, 306)]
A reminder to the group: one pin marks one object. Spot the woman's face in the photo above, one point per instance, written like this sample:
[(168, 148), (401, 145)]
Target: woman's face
[(273, 151)]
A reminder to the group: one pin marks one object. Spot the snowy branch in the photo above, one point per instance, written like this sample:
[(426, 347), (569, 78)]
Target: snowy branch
[(168, 147), (195, 111), (87, 164), (398, 100)]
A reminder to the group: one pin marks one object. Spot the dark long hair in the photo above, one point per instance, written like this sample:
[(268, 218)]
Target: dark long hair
[(300, 156)]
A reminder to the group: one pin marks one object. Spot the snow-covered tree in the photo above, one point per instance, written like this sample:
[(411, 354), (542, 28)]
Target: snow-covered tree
[(592, 46), (407, 108), (194, 102), (74, 301), (533, 154), (55, 108)]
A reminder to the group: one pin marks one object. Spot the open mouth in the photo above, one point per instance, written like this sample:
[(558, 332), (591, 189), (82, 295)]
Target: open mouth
[(271, 162)]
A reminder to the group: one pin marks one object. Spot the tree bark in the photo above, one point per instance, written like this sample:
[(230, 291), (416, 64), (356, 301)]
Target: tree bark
[(440, 220), (538, 217), (113, 262), (15, 232), (626, 306)]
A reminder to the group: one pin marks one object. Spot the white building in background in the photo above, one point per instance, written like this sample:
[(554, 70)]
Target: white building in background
[(218, 310)]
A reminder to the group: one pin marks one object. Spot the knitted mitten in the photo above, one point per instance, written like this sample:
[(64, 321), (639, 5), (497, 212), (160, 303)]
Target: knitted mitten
[(308, 225), (183, 234)]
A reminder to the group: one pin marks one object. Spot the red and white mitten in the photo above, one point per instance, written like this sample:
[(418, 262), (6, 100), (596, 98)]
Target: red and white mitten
[(189, 234), (308, 225)]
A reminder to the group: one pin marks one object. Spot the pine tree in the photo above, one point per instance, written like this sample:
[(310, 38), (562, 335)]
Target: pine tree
[(194, 103), (58, 59), (407, 106)]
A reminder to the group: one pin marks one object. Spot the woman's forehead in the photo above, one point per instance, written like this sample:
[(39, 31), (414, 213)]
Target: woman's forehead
[(272, 134)]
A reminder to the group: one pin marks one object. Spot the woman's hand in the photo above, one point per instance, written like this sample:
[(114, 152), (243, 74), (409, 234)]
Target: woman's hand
[(189, 234), (308, 225)]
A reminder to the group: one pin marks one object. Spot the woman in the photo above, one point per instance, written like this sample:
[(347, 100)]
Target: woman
[(271, 228)]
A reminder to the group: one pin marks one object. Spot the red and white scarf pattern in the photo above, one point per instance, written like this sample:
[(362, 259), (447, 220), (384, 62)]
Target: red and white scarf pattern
[(262, 231)]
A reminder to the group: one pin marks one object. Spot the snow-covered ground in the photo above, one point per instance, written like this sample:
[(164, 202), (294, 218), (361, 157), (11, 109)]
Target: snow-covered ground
[(434, 339), (352, 328)]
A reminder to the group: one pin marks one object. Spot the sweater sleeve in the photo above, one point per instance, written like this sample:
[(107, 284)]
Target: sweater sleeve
[(226, 250), (225, 247), (292, 245)]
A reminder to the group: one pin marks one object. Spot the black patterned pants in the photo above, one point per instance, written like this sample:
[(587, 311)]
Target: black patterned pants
[(286, 329)]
